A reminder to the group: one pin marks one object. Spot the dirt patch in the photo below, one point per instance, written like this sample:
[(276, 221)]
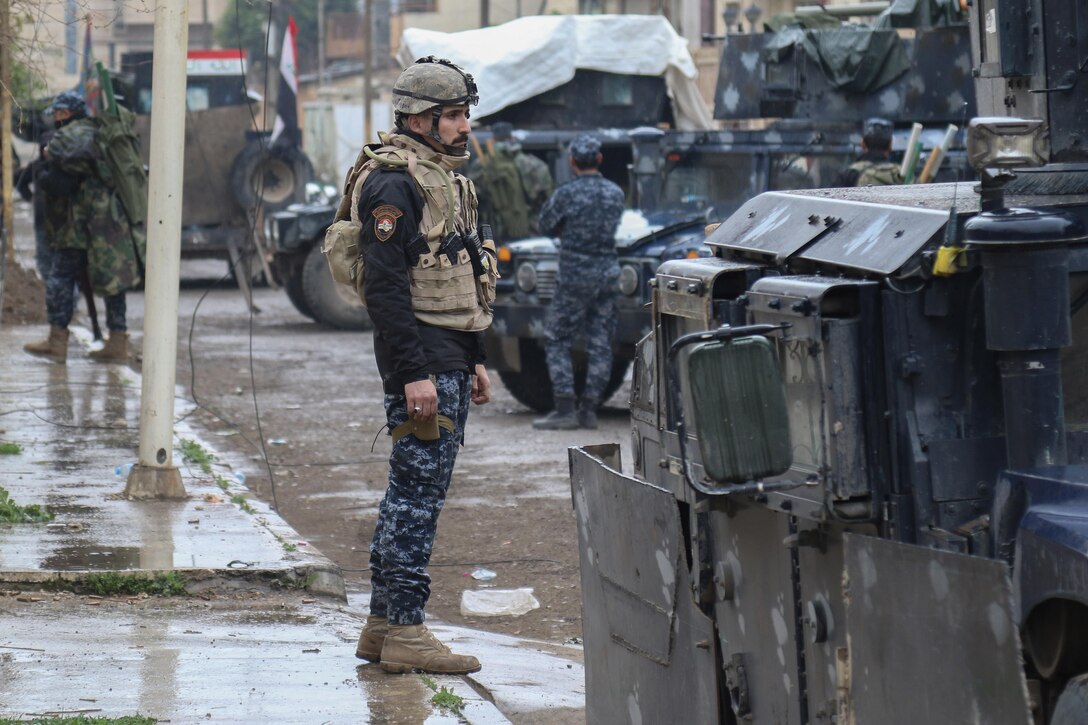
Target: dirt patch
[(24, 296)]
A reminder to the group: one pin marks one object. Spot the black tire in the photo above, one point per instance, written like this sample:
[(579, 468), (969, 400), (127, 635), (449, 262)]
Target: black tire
[(1072, 705), (532, 387), (331, 303), (270, 176), (289, 275)]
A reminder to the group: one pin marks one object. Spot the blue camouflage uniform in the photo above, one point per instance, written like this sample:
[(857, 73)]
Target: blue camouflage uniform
[(407, 350), (584, 214)]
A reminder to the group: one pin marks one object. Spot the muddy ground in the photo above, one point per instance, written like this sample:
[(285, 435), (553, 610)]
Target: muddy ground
[(297, 407)]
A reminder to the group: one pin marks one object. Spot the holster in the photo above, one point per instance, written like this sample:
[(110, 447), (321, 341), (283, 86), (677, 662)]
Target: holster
[(424, 431)]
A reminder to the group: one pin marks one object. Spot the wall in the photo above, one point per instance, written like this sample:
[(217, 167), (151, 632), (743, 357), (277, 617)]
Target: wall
[(53, 33)]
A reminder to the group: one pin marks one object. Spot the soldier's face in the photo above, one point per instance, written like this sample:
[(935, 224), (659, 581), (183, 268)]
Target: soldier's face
[(454, 126)]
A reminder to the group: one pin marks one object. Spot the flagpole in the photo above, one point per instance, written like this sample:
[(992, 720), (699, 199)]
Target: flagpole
[(368, 72)]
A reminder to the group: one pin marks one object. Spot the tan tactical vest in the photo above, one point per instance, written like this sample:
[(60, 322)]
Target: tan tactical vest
[(443, 294)]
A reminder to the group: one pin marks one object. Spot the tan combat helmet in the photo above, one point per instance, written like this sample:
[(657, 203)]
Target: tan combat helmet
[(431, 83)]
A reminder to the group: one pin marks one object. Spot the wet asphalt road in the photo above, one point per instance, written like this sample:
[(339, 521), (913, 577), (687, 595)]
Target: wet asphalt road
[(298, 406)]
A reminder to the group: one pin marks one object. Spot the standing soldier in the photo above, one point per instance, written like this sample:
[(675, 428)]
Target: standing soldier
[(90, 231), (428, 282), (584, 214), (514, 186), (873, 167)]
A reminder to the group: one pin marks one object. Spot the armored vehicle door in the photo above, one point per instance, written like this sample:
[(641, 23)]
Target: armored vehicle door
[(930, 637)]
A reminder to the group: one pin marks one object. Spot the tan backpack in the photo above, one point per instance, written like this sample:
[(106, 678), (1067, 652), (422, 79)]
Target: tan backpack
[(343, 238)]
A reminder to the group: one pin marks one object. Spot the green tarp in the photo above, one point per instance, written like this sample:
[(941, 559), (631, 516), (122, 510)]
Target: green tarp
[(858, 58)]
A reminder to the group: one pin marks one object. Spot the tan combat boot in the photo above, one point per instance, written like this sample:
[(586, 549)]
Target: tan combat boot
[(412, 647), (54, 347), (372, 639), (115, 349)]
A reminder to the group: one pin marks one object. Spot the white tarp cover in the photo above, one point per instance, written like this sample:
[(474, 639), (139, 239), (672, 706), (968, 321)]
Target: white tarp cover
[(523, 58)]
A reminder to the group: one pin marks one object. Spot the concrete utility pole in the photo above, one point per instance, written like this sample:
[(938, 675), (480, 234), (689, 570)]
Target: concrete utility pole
[(155, 475), (5, 125)]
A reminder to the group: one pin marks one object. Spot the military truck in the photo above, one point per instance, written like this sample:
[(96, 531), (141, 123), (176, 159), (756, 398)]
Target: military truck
[(794, 99), (232, 171), (859, 490), (677, 182)]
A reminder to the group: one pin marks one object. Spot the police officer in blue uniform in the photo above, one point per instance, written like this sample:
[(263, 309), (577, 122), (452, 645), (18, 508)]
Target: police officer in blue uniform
[(427, 282), (584, 214)]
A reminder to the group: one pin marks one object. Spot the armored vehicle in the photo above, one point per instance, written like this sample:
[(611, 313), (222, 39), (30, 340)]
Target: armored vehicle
[(678, 182), (232, 172), (859, 490)]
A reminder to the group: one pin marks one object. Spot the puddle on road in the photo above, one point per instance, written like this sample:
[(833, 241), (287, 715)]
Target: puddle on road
[(522, 675), (81, 558)]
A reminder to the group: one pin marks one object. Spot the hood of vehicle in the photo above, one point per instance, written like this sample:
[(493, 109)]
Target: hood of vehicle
[(532, 245), (637, 235)]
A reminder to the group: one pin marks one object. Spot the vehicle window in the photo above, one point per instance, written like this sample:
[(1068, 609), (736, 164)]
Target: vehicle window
[(143, 101), (197, 98), (702, 180), (616, 90), (795, 171)]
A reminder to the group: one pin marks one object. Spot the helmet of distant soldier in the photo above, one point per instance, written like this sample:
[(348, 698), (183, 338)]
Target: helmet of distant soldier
[(433, 82), (69, 101), (877, 134)]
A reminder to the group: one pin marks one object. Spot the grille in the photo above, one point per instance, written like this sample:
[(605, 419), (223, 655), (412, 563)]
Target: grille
[(545, 283)]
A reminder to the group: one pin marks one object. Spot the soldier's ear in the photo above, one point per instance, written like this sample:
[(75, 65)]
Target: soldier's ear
[(420, 122)]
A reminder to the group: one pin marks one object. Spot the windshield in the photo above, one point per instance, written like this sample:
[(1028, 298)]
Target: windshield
[(719, 183)]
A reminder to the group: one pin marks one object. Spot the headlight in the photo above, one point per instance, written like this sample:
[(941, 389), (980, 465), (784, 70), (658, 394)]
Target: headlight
[(271, 229), (526, 276), (628, 280)]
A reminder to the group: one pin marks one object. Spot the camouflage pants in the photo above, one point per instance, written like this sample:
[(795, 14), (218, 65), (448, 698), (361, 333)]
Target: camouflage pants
[(43, 252), (586, 309), (419, 475), (60, 286)]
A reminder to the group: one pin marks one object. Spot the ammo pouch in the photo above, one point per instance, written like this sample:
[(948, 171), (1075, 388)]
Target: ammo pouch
[(341, 250)]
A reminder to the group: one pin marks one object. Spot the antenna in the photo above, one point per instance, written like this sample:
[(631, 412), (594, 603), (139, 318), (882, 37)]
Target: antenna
[(949, 231)]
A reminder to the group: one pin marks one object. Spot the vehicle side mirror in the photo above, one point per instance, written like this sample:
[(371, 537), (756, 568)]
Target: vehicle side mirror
[(739, 409)]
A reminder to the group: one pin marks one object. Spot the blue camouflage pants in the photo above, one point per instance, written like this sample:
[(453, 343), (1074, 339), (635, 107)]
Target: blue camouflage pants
[(43, 252), (419, 475), (60, 285), (582, 307)]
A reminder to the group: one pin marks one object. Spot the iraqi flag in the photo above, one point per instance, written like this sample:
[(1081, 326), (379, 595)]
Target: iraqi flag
[(286, 125)]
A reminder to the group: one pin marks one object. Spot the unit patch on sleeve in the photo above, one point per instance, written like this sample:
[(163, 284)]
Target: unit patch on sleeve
[(385, 221)]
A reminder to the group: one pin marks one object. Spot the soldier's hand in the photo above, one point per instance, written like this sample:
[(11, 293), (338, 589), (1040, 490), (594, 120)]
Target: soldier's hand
[(421, 399), (481, 386)]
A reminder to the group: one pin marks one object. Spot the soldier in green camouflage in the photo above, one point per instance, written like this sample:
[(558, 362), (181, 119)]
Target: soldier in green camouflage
[(873, 167), (90, 231)]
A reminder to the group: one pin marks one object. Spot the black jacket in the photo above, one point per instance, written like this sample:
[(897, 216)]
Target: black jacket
[(406, 349)]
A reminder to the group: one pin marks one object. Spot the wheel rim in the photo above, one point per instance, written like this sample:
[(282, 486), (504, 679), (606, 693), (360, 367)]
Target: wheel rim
[(273, 180)]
